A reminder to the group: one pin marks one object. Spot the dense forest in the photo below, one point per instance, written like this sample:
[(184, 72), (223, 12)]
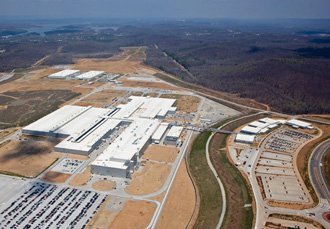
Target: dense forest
[(285, 64)]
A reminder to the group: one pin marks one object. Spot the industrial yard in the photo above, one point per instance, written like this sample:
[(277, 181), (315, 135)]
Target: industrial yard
[(113, 151), (110, 149)]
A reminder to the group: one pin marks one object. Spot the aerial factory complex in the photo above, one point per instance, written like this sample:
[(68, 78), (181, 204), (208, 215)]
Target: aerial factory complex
[(84, 128)]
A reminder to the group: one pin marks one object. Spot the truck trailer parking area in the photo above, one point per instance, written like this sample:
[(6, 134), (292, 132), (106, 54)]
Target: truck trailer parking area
[(42, 205)]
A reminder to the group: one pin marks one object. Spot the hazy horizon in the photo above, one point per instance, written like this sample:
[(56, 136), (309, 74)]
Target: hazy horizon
[(170, 9)]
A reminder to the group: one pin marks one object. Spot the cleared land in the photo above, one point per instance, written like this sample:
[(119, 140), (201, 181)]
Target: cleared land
[(27, 158), (208, 187), (137, 213), (102, 98), (161, 153), (107, 65), (180, 204), (103, 217), (82, 178), (144, 84), (149, 179), (104, 185), (56, 177), (23, 107), (184, 103)]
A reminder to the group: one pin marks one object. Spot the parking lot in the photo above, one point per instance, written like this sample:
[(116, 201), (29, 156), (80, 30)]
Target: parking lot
[(43, 205), (68, 166), (275, 168)]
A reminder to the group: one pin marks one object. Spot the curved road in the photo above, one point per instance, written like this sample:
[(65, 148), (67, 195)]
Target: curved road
[(222, 188), (315, 170)]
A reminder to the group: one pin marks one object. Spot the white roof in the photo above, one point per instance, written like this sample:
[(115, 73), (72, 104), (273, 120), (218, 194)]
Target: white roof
[(85, 141), (129, 142), (258, 124), (160, 131), (245, 138), (144, 107), (83, 121), (67, 120), (90, 75), (64, 73), (299, 123), (250, 129), (174, 132), (269, 120)]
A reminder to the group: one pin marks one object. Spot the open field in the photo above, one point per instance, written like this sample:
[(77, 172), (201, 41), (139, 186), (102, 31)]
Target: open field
[(103, 217), (82, 178), (131, 54), (145, 84), (107, 65), (102, 98), (137, 213), (208, 187), (160, 153), (303, 158), (56, 177), (184, 103), (148, 179), (27, 158), (180, 204), (6, 132), (24, 107), (104, 185)]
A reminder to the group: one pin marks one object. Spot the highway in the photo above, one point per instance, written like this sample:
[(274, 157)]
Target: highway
[(315, 170)]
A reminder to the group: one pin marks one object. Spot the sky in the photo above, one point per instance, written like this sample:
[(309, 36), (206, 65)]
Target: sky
[(58, 9)]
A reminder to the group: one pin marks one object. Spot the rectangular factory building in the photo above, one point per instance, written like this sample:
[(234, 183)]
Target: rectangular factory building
[(126, 149), (173, 135), (90, 75), (160, 132), (245, 138), (299, 124), (64, 74)]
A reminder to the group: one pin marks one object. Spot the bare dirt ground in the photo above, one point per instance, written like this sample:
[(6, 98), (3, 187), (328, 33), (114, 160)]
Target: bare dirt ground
[(8, 131), (82, 178), (149, 179), (37, 80), (135, 214), (161, 153), (144, 84), (103, 217), (180, 203), (27, 158), (107, 65), (184, 103), (102, 98), (131, 53), (104, 185), (56, 177)]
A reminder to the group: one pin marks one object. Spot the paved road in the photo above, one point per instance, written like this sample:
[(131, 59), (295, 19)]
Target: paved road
[(222, 188), (315, 170)]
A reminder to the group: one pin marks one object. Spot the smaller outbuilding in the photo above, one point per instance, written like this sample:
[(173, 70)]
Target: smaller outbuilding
[(173, 135)]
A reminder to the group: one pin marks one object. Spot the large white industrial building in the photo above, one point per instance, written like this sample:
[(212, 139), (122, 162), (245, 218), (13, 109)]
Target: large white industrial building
[(67, 73), (84, 128), (90, 75)]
